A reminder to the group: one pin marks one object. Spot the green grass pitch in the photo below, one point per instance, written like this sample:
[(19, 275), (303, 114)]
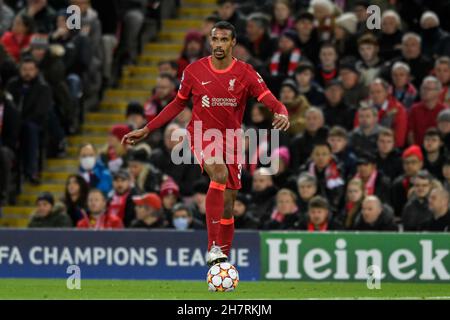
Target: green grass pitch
[(151, 289)]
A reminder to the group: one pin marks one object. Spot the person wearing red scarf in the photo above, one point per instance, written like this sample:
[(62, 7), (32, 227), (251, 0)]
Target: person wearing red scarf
[(319, 217), (98, 217), (120, 202), (354, 198), (412, 164), (285, 215)]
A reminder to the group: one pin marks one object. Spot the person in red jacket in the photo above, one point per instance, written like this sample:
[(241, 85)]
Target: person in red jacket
[(391, 113), (19, 37), (98, 217)]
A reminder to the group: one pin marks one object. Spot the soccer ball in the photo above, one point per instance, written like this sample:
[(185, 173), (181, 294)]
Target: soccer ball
[(222, 277)]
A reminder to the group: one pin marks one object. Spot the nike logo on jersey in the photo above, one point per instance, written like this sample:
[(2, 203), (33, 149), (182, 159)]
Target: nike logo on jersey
[(204, 83)]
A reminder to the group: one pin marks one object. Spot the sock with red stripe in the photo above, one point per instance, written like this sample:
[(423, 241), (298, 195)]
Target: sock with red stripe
[(214, 210), (226, 234)]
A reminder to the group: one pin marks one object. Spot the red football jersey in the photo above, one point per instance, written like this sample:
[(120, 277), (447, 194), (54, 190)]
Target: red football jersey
[(220, 96)]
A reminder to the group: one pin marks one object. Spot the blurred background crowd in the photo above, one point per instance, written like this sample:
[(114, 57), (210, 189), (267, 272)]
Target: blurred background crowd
[(368, 147)]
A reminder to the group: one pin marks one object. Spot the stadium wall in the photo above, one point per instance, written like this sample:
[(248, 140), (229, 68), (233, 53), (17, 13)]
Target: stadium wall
[(168, 254)]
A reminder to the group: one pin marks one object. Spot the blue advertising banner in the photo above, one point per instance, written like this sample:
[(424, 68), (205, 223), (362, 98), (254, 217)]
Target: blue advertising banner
[(124, 254)]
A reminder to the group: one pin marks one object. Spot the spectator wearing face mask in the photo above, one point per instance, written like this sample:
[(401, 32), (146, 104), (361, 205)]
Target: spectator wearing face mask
[(93, 170), (182, 219), (113, 154), (48, 214), (148, 215)]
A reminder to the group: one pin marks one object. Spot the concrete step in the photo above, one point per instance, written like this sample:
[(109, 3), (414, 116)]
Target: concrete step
[(120, 95), (174, 48), (140, 72), (50, 187), (196, 11), (97, 128), (17, 211), (60, 176), (172, 36), (153, 59), (116, 108), (137, 84), (103, 117), (14, 223), (29, 198), (181, 24), (80, 139)]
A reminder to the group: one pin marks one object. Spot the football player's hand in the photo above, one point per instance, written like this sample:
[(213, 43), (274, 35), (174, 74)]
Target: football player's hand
[(135, 136), (280, 122)]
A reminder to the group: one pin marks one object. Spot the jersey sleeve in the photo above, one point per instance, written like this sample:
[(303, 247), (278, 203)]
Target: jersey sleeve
[(186, 84), (257, 86)]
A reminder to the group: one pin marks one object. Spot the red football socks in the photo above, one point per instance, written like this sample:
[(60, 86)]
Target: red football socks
[(214, 210), (226, 234)]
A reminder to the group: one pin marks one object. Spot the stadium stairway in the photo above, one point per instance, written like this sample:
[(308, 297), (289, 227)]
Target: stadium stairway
[(136, 84)]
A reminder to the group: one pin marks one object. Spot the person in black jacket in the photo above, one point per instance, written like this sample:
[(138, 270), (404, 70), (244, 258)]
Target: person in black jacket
[(301, 145), (285, 215), (416, 211), (263, 194), (33, 97), (320, 218), (243, 218), (336, 112), (388, 158), (120, 202), (438, 202), (182, 219), (375, 217), (261, 45), (147, 178), (227, 11), (374, 181), (9, 141)]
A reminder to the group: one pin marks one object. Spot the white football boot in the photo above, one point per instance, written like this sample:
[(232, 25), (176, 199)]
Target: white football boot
[(215, 255)]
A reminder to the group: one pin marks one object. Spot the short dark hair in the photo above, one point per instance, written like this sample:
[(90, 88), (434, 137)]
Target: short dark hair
[(318, 202), (222, 2), (181, 207), (168, 76), (28, 59), (212, 18), (433, 132), (424, 175), (338, 131), (173, 64), (322, 143), (225, 25)]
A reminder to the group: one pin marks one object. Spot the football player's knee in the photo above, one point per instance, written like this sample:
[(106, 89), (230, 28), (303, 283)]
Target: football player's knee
[(220, 174)]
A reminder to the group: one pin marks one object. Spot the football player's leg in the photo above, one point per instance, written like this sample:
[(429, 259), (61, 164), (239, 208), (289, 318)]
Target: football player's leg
[(218, 174), (226, 231)]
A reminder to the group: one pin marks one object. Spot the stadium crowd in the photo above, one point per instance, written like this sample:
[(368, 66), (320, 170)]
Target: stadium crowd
[(369, 142)]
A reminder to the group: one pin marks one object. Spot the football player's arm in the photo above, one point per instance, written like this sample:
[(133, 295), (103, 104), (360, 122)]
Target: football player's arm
[(167, 114), (281, 120)]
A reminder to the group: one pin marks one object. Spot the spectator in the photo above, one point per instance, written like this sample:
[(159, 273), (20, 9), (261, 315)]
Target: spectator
[(192, 51), (338, 140), (183, 174), (146, 177), (390, 38), (375, 217), (147, 212), (182, 219), (423, 114), (98, 217), (135, 115), (391, 113), (164, 93), (93, 170), (113, 154), (120, 202), (281, 19), (436, 42), (446, 174), (6, 17), (329, 174), (389, 161), (359, 8), (442, 72), (280, 159), (416, 211), (307, 189), (261, 45), (296, 104), (18, 39), (336, 112), (354, 89), (9, 142), (207, 26), (301, 145), (344, 34), (434, 156), (402, 89), (169, 194), (307, 36), (263, 194), (48, 214), (169, 67), (241, 51), (319, 217), (75, 197), (412, 164), (41, 13), (285, 215), (327, 69), (286, 59), (304, 76), (243, 218), (33, 97), (375, 183), (354, 199), (199, 190), (369, 65), (325, 13), (443, 125), (8, 67), (363, 138), (228, 11), (438, 202)]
